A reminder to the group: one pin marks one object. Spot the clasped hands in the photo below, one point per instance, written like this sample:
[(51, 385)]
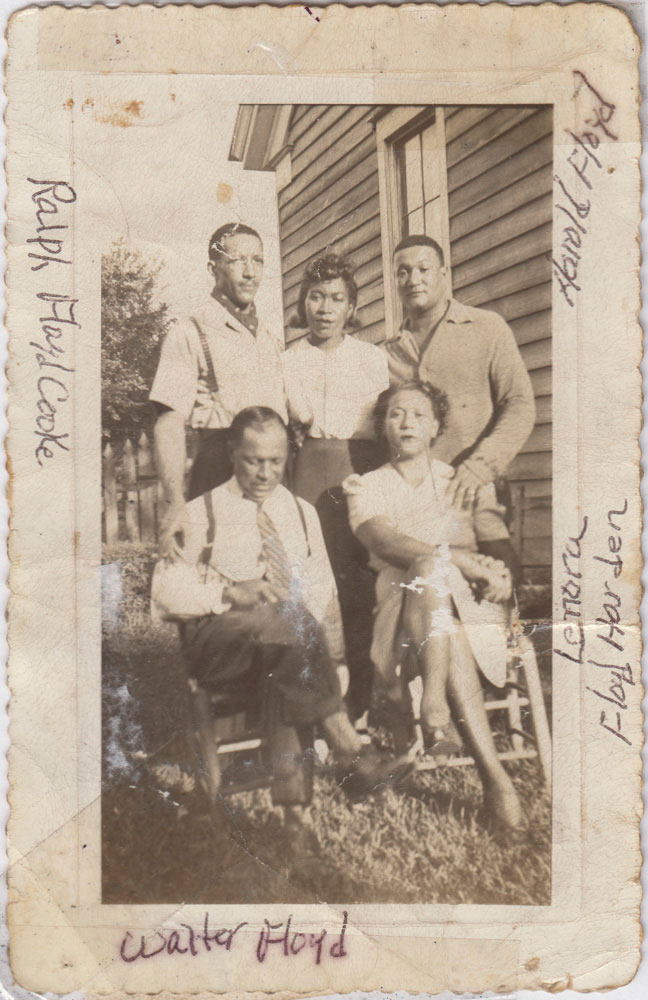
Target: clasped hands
[(248, 594), (490, 578)]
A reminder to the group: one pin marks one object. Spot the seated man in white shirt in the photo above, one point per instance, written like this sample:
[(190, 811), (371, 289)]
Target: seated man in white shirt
[(253, 585)]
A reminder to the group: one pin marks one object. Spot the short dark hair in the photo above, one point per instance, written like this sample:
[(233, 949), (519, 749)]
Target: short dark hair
[(421, 240), (229, 229), (326, 267), (437, 398), (253, 416)]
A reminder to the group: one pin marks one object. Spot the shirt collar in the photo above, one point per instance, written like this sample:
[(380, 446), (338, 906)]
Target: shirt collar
[(248, 318), (455, 313), (234, 487), (458, 313)]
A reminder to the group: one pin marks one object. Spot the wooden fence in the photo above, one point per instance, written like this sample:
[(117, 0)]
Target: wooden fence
[(131, 493)]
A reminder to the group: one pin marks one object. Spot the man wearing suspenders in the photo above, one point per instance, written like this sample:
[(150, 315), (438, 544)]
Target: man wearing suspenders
[(212, 365), (253, 588)]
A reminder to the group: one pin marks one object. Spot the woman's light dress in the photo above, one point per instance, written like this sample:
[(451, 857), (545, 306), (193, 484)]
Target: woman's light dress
[(424, 512)]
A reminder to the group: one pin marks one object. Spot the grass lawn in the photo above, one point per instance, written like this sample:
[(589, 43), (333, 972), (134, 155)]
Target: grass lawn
[(424, 844)]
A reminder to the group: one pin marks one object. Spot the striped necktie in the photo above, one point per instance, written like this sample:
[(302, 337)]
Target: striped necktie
[(273, 554)]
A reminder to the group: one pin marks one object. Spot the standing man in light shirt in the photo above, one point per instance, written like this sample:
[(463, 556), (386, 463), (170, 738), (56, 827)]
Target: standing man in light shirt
[(212, 365), (471, 354), (254, 589)]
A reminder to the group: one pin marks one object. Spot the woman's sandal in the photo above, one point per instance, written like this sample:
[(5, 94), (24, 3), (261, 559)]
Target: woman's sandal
[(442, 741)]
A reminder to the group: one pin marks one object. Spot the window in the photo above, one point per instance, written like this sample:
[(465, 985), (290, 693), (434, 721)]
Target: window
[(413, 185), (421, 166)]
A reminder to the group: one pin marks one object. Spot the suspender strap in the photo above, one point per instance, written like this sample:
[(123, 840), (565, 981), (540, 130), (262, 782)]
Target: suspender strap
[(302, 518), (211, 526), (212, 381), (205, 555)]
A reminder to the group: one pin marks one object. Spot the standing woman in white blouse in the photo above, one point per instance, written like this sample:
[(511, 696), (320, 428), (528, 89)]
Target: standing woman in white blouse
[(332, 382)]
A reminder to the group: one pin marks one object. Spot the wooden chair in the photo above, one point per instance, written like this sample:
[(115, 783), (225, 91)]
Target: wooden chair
[(519, 710), (240, 746), (520, 723)]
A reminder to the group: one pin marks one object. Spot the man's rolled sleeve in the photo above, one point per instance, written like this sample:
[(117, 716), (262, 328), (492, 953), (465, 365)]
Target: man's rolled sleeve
[(176, 380), (178, 593), (514, 404)]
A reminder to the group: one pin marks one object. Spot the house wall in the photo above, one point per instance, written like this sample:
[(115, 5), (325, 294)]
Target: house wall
[(500, 206), (499, 164), (332, 202)]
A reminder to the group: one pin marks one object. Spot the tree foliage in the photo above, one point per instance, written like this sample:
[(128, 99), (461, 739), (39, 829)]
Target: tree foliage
[(134, 322)]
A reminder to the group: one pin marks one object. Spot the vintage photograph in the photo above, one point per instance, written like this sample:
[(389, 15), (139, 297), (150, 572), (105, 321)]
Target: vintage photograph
[(324, 400), (327, 515)]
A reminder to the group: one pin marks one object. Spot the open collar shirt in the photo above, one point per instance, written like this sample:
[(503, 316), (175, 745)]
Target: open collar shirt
[(472, 355), (247, 367)]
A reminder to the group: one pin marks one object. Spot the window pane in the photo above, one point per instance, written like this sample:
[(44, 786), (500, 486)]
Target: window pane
[(433, 221), (433, 183), (413, 173), (416, 222)]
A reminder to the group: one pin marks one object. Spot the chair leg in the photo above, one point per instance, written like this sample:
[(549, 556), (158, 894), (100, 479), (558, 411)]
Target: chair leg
[(292, 770), (202, 723), (537, 705)]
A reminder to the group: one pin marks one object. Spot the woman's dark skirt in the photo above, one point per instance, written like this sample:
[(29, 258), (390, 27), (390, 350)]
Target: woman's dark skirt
[(320, 467)]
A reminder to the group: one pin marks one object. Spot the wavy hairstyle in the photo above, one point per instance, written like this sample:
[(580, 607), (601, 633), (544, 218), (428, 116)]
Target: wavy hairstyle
[(437, 398), (327, 267)]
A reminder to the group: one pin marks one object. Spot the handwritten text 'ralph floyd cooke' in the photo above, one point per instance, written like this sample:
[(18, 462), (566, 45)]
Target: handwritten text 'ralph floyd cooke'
[(574, 206), (52, 200), (605, 642), (281, 939)]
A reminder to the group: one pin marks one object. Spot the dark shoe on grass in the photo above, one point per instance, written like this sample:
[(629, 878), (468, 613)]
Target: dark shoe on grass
[(370, 771)]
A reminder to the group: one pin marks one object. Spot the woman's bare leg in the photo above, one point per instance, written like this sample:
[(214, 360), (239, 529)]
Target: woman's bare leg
[(428, 623), (467, 697)]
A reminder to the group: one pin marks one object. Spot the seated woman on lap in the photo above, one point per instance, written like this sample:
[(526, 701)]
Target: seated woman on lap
[(439, 610)]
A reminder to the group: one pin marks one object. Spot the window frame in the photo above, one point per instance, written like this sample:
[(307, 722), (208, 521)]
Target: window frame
[(392, 129)]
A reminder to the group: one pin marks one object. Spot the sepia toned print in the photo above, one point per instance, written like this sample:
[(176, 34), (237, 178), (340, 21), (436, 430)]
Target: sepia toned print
[(337, 539), (346, 231)]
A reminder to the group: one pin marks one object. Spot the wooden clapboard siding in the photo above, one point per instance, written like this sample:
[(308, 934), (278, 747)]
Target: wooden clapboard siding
[(530, 328), (518, 193), (353, 201), (500, 174), (332, 204), (325, 201), (333, 163), (458, 120), (506, 145), (484, 133), (543, 409), (321, 138)]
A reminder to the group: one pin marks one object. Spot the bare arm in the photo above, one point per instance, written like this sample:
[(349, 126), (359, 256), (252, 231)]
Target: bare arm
[(378, 536), (170, 456), (401, 550)]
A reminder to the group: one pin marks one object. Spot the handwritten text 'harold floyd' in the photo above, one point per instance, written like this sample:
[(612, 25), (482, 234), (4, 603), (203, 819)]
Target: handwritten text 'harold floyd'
[(584, 163), (51, 254)]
